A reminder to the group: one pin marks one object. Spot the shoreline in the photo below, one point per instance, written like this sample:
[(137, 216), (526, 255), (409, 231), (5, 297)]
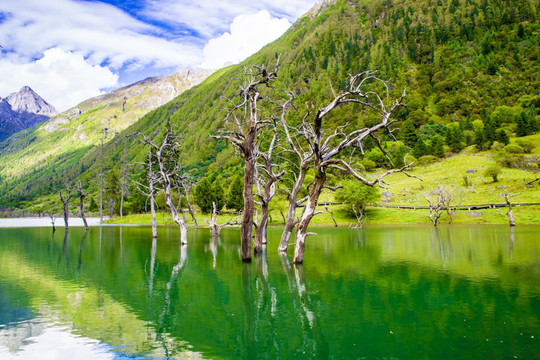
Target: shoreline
[(46, 222)]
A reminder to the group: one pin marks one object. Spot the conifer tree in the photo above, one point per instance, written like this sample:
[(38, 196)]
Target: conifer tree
[(454, 137), (479, 139), (219, 195), (408, 134), (235, 199), (437, 146), (533, 123), (203, 196), (489, 131), (92, 206), (420, 149), (502, 137)]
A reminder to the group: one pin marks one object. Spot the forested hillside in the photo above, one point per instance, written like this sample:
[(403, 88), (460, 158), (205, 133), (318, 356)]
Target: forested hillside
[(470, 68)]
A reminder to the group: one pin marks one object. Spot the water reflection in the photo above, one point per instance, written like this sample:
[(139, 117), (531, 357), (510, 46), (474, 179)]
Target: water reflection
[(372, 293), (81, 247)]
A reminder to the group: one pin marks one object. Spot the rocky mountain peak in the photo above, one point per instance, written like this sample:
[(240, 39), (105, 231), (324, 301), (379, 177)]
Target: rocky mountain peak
[(27, 100), (21, 110)]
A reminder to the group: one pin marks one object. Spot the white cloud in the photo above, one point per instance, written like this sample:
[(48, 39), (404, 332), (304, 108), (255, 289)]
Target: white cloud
[(101, 32), (248, 34), (211, 18), (69, 50), (63, 79)]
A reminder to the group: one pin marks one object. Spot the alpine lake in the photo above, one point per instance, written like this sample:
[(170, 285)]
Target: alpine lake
[(380, 292)]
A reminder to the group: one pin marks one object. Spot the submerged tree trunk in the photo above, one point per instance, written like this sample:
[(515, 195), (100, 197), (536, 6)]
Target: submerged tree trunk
[(291, 211), (261, 233), (307, 215), (53, 219), (82, 212), (65, 204), (249, 204), (510, 214), (189, 208), (151, 193), (177, 219), (214, 228), (82, 196)]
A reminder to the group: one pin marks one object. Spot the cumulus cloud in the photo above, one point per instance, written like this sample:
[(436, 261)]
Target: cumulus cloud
[(210, 18), (69, 50), (101, 32), (62, 78), (248, 34)]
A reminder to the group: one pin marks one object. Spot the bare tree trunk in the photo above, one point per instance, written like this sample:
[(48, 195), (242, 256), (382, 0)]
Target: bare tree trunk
[(332, 215), (82, 212), (249, 205), (124, 175), (82, 196), (291, 211), (214, 229), (189, 208), (165, 177), (174, 213), (307, 215), (151, 191), (261, 233), (65, 204), (53, 219), (510, 214), (179, 203), (101, 181)]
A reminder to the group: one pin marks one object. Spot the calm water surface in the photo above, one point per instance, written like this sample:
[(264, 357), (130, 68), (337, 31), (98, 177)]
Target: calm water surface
[(403, 292)]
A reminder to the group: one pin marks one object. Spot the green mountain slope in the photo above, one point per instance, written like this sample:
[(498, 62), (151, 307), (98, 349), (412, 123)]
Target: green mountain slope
[(460, 61), (33, 160)]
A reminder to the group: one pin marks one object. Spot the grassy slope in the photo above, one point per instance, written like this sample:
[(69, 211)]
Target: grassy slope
[(344, 39), (448, 173), (56, 149)]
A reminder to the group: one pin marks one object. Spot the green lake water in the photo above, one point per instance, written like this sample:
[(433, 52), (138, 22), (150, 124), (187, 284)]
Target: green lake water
[(386, 292)]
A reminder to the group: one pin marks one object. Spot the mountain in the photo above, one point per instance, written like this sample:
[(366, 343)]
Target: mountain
[(22, 110), (463, 63), (58, 144)]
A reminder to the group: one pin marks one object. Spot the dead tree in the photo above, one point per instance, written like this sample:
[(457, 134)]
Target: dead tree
[(326, 148), (304, 158), (447, 197), (179, 202), (435, 209), (64, 198), (101, 176), (246, 129), (331, 214), (124, 182), (215, 229), (439, 200), (266, 180), (149, 191), (510, 214), (53, 219), (82, 195), (186, 184), (167, 174)]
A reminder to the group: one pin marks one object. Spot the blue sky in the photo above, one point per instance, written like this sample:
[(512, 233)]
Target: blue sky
[(71, 50)]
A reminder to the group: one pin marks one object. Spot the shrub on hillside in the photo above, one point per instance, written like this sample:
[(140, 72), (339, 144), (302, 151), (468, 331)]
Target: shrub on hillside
[(527, 145), (356, 196), (497, 146), (427, 160), (493, 171), (513, 149)]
